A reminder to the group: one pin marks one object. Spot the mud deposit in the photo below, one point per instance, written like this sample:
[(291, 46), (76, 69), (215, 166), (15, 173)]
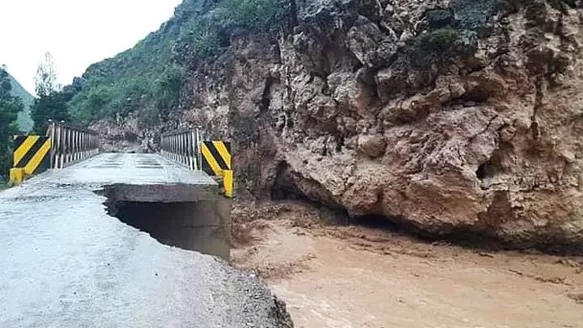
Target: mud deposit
[(353, 276)]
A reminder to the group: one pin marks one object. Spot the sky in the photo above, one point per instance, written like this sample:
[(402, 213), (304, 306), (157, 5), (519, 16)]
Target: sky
[(76, 32)]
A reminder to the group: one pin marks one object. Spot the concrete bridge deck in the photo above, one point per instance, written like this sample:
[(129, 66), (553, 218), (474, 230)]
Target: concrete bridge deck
[(65, 261), (137, 169)]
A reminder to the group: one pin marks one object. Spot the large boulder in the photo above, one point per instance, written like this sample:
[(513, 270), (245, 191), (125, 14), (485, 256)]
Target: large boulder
[(372, 146), (451, 116)]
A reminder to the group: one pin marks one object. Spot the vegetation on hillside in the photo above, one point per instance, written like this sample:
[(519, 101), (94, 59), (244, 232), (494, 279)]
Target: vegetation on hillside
[(10, 106), (148, 78)]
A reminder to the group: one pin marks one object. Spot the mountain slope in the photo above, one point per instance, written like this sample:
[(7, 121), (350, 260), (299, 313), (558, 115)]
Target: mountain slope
[(147, 79), (451, 117), (130, 80), (24, 121)]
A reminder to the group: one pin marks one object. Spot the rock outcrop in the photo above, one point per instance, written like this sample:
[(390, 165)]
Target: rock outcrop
[(448, 116)]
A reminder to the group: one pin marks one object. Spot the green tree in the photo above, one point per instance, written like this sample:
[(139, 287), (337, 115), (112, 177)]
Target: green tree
[(9, 108), (51, 107), (46, 77), (51, 103)]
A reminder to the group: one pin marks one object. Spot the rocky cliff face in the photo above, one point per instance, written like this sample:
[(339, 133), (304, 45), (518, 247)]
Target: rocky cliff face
[(448, 116)]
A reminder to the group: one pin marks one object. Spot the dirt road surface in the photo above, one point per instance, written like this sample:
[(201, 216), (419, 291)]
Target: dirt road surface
[(353, 276)]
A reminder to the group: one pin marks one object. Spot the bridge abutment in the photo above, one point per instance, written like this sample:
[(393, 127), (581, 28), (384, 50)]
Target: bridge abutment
[(190, 217)]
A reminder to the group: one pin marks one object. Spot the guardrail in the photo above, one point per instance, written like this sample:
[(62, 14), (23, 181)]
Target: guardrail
[(71, 144), (63, 145), (183, 147), (186, 147)]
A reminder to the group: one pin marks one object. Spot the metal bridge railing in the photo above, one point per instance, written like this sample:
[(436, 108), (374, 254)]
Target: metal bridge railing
[(63, 145), (71, 144), (183, 147), (186, 147)]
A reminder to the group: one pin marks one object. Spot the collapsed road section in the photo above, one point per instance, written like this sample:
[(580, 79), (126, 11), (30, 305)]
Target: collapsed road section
[(67, 262), (192, 218)]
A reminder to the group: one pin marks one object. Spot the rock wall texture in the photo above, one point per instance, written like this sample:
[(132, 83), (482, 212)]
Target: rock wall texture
[(448, 116)]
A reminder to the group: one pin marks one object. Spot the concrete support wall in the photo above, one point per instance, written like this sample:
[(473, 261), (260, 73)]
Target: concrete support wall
[(185, 217)]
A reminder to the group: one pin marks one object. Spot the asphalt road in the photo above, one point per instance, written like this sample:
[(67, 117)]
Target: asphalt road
[(65, 263)]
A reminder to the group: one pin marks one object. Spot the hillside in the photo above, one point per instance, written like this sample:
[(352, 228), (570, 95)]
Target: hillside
[(131, 80), (448, 117), (147, 79), (24, 121)]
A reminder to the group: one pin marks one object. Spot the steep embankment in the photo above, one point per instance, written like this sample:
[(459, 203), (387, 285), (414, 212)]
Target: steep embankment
[(448, 116), (24, 121)]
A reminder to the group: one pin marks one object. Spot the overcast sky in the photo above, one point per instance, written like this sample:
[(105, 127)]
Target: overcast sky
[(77, 32)]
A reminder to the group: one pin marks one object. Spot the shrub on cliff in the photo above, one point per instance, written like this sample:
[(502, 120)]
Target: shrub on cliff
[(439, 41), (207, 35), (443, 45), (253, 15)]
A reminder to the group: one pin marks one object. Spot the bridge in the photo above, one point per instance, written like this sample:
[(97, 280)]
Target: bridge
[(123, 240)]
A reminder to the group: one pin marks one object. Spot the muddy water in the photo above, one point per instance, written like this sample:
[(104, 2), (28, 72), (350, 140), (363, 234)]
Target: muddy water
[(354, 277)]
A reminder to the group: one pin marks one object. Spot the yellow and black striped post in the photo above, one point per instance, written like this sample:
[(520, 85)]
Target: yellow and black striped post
[(31, 155), (216, 157), (63, 145), (187, 148), (216, 161)]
